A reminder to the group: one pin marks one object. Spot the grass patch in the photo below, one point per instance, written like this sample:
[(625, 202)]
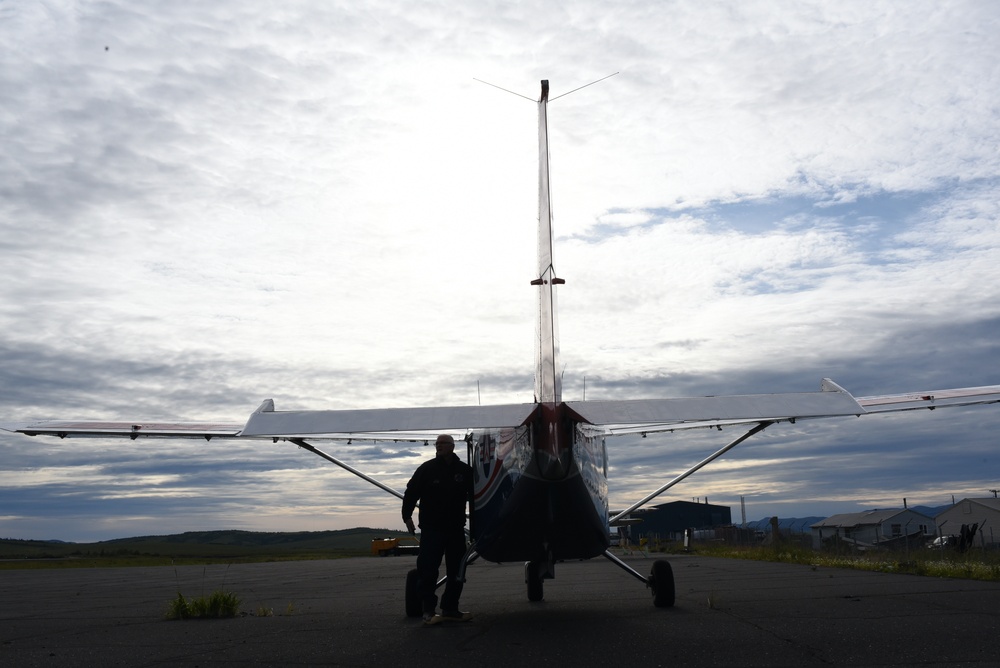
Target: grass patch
[(971, 565), (218, 605)]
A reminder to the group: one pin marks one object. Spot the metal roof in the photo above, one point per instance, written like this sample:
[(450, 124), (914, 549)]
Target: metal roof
[(866, 517)]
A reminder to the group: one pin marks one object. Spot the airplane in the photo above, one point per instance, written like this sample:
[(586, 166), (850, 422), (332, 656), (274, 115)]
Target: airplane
[(541, 468)]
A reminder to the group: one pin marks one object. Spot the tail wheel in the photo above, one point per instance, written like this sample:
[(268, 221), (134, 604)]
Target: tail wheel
[(534, 581), (414, 606), (661, 581)]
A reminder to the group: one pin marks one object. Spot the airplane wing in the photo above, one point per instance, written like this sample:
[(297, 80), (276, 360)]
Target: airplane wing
[(965, 396), (133, 429), (413, 424), (266, 421), (608, 418), (616, 418)]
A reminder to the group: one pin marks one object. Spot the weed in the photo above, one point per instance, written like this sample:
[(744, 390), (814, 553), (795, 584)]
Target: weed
[(217, 605), (713, 600), (971, 566), (178, 608)]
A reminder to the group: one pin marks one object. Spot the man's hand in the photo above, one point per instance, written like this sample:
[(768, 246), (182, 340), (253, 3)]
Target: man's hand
[(409, 525)]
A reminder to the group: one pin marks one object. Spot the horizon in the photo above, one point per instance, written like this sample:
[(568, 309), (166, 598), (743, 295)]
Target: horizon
[(761, 521)]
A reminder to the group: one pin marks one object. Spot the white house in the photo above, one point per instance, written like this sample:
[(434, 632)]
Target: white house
[(984, 512), (872, 527)]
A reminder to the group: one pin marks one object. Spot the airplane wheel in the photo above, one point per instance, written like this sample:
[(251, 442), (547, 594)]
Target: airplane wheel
[(661, 579), (534, 581), (414, 607)]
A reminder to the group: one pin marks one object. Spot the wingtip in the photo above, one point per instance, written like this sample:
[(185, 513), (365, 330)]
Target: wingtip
[(828, 385)]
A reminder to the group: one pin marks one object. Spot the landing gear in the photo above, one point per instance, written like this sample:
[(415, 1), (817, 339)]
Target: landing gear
[(661, 581), (533, 578), (414, 607)]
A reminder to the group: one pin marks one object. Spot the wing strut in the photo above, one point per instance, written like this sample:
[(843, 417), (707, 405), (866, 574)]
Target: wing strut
[(625, 567), (761, 426), (316, 451)]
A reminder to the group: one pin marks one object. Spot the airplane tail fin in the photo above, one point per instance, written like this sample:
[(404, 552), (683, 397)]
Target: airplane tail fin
[(548, 384)]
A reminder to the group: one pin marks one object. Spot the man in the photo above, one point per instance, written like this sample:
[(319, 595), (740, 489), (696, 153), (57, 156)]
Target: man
[(443, 486)]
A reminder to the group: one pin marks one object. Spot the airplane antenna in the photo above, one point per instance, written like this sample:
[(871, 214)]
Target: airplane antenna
[(504, 89), (582, 87), (551, 99), (479, 393)]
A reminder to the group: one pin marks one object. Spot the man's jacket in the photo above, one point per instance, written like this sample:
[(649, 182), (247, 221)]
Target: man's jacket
[(442, 486)]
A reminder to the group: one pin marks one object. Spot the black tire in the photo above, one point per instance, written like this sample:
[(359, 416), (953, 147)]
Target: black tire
[(534, 581), (414, 607), (661, 581)]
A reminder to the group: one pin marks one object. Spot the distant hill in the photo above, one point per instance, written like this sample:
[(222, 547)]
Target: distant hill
[(207, 544), (358, 538)]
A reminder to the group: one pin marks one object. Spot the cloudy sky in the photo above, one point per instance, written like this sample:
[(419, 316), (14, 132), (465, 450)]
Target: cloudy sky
[(205, 205)]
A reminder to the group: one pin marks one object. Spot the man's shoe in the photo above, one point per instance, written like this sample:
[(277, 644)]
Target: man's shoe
[(456, 615), (429, 618)]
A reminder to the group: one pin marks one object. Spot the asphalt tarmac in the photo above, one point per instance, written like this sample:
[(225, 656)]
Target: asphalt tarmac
[(350, 612)]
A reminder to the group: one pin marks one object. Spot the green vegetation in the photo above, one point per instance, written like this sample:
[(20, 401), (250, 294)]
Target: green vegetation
[(975, 564), (196, 547), (218, 605)]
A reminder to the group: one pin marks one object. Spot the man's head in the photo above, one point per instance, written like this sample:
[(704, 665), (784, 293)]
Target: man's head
[(445, 445)]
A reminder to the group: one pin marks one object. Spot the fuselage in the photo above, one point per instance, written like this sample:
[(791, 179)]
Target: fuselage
[(541, 490)]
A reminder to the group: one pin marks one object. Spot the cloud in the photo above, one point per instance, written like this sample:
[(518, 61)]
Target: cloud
[(318, 204)]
